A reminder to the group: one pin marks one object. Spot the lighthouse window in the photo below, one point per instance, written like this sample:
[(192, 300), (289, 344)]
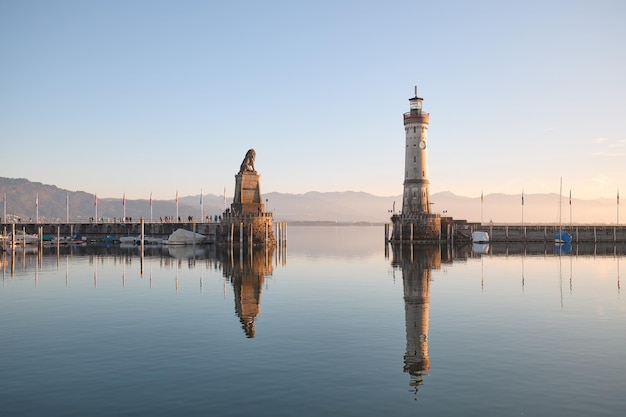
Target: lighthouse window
[(414, 159), (413, 129)]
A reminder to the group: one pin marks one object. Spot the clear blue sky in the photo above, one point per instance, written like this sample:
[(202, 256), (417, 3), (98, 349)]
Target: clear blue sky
[(136, 97)]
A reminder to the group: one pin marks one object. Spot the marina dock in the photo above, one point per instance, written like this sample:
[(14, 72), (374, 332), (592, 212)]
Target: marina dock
[(110, 232), (461, 231), (99, 231), (545, 233)]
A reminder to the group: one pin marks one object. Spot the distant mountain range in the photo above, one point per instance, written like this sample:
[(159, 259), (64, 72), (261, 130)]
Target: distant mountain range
[(342, 207)]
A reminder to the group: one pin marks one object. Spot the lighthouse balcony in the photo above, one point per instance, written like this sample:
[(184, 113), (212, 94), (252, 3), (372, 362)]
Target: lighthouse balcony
[(416, 117)]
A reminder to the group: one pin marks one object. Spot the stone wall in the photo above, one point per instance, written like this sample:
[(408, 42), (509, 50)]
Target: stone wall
[(237, 229), (98, 231), (419, 227)]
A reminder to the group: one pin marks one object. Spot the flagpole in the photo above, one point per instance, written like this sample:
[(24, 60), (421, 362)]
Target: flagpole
[(150, 206), (176, 205), (522, 209), (523, 228), (5, 208), (124, 206), (618, 206), (95, 204), (482, 203), (201, 207), (37, 209), (67, 207)]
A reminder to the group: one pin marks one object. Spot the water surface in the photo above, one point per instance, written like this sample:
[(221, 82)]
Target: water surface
[(333, 323)]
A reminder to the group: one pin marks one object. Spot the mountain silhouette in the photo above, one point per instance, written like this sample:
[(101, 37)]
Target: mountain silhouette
[(23, 195)]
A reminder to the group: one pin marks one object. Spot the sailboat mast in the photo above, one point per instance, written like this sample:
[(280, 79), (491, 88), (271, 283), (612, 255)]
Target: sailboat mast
[(560, 202)]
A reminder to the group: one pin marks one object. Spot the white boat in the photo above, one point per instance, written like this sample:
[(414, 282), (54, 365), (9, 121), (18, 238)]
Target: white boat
[(70, 240), (128, 239), (151, 240), (136, 240), (480, 237), (21, 238), (185, 237)]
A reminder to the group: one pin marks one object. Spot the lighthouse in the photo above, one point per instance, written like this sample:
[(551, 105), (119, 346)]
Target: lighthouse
[(416, 222), (416, 198)]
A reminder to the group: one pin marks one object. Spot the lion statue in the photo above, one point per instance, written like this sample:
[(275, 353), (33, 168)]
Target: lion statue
[(248, 162)]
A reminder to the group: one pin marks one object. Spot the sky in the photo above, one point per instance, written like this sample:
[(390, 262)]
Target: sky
[(139, 97)]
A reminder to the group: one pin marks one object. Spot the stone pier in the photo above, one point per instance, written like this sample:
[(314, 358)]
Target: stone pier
[(98, 231)]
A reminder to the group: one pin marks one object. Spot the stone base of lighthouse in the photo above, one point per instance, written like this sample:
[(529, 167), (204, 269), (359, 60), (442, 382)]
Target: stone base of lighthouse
[(416, 228)]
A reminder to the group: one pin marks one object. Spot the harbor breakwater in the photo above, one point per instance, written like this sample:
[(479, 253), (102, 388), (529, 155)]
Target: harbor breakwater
[(461, 231), (545, 233), (96, 232)]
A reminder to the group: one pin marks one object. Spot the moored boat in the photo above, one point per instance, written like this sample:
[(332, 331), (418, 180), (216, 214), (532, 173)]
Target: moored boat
[(185, 237), (136, 240), (70, 240), (480, 237), (21, 238), (151, 240), (561, 237), (129, 240)]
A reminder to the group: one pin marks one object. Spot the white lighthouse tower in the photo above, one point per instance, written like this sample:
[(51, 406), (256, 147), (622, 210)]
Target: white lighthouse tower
[(416, 222), (416, 198)]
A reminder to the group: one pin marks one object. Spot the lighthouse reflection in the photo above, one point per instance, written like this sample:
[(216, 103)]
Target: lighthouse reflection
[(416, 263), (246, 269)]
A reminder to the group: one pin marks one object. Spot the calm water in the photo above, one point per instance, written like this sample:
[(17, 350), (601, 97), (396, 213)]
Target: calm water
[(331, 325)]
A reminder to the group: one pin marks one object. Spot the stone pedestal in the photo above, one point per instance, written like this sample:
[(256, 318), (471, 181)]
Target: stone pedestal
[(246, 221), (247, 194)]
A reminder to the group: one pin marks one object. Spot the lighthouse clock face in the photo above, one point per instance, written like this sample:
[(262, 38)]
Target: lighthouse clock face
[(422, 144)]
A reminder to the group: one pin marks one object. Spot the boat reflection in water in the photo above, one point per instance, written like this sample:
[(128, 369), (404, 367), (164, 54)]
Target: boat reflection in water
[(246, 268), (480, 248), (416, 263)]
